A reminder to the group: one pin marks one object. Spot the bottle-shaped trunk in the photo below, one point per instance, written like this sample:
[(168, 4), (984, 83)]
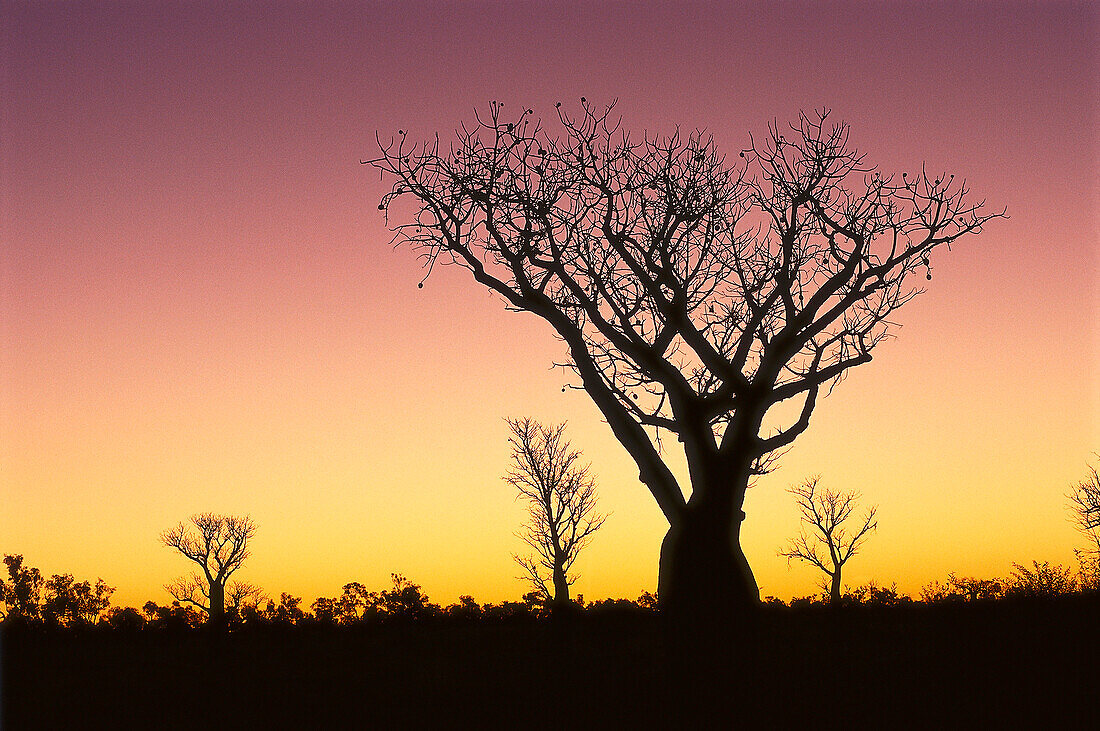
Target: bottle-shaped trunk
[(217, 604), (834, 586), (561, 584), (704, 575)]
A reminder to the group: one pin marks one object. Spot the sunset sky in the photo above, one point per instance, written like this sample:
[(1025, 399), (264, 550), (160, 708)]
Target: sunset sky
[(200, 309)]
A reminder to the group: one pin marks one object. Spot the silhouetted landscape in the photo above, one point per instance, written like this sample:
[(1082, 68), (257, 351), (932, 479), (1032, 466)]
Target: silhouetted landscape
[(731, 363), (685, 318), (969, 652)]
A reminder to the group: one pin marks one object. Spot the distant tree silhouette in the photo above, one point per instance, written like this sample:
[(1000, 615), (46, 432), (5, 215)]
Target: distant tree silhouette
[(287, 611), (693, 296), (219, 547), (22, 592), (323, 610), (1085, 509), (126, 619), (68, 602), (825, 542), (175, 617), (507, 611), (405, 600), (465, 609), (351, 606), (561, 503), (60, 601)]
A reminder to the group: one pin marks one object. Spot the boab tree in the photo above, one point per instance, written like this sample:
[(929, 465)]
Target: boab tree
[(693, 296), (828, 544), (219, 547), (561, 502)]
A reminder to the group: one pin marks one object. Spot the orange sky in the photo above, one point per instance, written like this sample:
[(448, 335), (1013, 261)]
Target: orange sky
[(200, 309)]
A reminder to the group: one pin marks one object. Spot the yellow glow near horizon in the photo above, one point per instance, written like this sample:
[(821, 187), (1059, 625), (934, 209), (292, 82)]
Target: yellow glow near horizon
[(200, 309)]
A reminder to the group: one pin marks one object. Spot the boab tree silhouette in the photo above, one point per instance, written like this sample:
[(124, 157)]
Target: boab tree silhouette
[(693, 295), (561, 502), (1084, 505), (828, 544), (219, 547)]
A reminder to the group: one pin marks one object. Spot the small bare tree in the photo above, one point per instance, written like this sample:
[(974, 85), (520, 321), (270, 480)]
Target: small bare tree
[(220, 547), (1085, 508), (561, 500), (828, 545)]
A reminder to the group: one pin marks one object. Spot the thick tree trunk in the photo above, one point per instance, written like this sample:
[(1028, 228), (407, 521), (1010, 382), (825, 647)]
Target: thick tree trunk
[(704, 576), (834, 587), (217, 604), (561, 586)]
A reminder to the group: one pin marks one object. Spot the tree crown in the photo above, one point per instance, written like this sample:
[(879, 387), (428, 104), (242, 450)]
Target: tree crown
[(691, 292), (219, 545)]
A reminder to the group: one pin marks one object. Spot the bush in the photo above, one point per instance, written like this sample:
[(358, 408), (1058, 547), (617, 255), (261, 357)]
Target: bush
[(405, 601), (171, 618), (70, 603), (467, 609), (962, 589), (1041, 580), (872, 595), (125, 619)]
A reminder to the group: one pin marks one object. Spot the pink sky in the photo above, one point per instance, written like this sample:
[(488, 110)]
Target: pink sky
[(199, 308)]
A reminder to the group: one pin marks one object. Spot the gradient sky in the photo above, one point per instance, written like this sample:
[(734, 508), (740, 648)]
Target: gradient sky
[(201, 311)]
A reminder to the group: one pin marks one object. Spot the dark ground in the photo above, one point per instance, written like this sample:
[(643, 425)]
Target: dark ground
[(998, 665)]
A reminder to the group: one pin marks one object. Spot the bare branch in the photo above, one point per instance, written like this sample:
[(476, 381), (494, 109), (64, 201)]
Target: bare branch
[(190, 590)]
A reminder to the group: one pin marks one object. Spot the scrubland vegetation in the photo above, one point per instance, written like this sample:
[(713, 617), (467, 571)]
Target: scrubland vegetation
[(966, 650)]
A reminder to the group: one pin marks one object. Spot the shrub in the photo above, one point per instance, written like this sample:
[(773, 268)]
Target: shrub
[(1040, 580), (962, 589), (872, 595), (125, 619)]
